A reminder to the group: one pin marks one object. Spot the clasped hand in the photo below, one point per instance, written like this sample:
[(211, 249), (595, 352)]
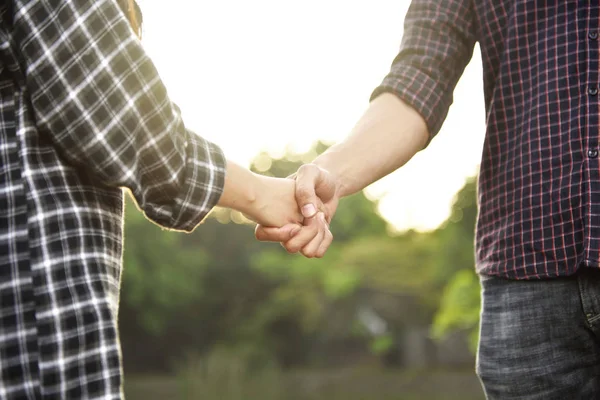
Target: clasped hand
[(300, 217)]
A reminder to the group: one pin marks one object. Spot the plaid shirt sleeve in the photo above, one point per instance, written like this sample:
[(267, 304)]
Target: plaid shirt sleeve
[(98, 97), (438, 41)]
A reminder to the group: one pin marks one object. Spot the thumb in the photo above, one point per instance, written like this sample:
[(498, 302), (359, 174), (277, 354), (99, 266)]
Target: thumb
[(307, 180), (315, 186)]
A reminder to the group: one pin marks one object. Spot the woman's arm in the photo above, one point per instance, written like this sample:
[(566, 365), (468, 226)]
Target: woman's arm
[(265, 200), (98, 97)]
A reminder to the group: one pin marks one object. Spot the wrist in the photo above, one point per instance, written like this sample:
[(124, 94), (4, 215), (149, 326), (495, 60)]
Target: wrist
[(241, 189), (252, 198), (328, 162), (271, 201)]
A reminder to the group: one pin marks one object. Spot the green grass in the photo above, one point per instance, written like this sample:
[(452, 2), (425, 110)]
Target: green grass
[(346, 384), (229, 375)]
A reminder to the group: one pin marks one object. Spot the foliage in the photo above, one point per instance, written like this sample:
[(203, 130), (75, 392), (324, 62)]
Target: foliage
[(460, 303), (166, 274), (220, 287), (459, 308), (382, 344), (228, 375), (350, 383)]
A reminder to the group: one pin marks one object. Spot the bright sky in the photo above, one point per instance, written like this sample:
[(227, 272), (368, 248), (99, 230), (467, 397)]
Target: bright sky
[(261, 75)]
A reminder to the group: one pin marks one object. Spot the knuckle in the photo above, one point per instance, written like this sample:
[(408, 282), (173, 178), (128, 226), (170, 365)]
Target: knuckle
[(317, 233), (308, 253), (285, 247), (305, 187), (291, 248), (306, 168), (303, 190)]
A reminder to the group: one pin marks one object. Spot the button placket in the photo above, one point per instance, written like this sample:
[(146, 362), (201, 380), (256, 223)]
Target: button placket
[(591, 134)]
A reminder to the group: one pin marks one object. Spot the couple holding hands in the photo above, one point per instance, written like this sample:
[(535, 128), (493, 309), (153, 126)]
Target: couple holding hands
[(84, 114)]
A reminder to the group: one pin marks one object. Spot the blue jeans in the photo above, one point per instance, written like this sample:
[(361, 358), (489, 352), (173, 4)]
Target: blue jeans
[(541, 339)]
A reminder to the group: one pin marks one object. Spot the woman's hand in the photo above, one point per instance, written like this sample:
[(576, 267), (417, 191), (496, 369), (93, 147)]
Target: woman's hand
[(265, 200), (274, 203), (317, 193)]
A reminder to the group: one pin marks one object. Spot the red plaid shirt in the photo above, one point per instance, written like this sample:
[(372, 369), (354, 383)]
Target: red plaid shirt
[(539, 184)]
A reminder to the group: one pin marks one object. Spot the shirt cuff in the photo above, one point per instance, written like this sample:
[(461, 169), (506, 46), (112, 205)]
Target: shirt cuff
[(419, 91), (202, 185)]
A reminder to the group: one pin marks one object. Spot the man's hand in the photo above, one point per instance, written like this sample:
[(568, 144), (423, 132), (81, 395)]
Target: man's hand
[(317, 195), (388, 134)]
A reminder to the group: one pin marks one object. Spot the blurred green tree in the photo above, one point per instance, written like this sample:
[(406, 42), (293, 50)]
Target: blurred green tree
[(220, 287), (460, 302), (166, 273)]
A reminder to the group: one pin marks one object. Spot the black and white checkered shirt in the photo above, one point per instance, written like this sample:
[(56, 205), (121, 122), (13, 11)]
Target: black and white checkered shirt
[(83, 113)]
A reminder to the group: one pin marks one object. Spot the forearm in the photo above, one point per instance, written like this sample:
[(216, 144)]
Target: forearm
[(241, 188), (387, 136), (437, 44)]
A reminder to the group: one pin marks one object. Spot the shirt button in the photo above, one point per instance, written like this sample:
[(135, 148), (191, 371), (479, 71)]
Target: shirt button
[(592, 153), (592, 90), (593, 35)]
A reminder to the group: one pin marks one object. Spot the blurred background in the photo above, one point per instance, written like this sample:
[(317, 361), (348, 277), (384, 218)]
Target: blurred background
[(391, 312)]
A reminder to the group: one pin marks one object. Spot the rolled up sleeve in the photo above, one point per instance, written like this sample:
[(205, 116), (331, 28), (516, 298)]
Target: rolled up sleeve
[(99, 98), (438, 41)]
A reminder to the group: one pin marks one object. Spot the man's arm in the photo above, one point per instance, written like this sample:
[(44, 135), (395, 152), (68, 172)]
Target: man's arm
[(407, 110), (388, 135), (385, 138), (411, 104)]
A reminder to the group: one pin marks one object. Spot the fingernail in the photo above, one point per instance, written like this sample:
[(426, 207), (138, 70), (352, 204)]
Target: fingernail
[(295, 230), (308, 210)]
